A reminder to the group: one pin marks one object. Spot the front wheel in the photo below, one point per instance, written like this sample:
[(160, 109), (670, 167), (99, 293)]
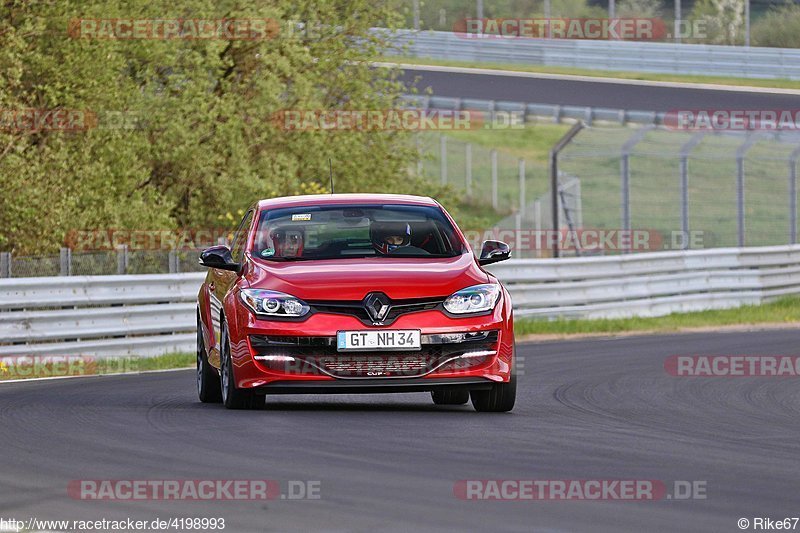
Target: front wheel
[(499, 399), (232, 396), (208, 389)]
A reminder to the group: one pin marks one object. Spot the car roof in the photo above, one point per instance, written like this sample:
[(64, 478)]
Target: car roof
[(339, 199)]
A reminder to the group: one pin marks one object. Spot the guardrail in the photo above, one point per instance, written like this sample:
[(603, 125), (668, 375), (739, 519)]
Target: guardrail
[(155, 314), (669, 58), (99, 315), (531, 111), (650, 284)]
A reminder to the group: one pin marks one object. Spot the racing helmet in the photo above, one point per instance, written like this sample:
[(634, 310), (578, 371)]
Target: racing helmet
[(389, 236)]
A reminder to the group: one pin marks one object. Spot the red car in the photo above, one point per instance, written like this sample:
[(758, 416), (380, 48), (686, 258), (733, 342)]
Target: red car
[(349, 293)]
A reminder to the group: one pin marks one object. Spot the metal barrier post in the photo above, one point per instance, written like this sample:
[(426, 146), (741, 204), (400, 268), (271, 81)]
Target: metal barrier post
[(5, 264), (65, 261), (122, 259)]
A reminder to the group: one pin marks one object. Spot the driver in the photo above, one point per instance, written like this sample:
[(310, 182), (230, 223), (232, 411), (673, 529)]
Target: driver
[(389, 236), (288, 242)]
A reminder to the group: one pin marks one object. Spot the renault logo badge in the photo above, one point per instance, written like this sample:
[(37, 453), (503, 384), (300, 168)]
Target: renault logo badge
[(377, 306)]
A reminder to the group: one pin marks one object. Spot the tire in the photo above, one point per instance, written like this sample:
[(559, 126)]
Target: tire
[(233, 397), (501, 397), (208, 389), (450, 397)]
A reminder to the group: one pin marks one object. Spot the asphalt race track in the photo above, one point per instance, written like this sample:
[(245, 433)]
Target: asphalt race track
[(588, 409), (592, 93)]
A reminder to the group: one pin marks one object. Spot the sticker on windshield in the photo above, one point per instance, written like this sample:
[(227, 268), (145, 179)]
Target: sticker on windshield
[(301, 217), (267, 252)]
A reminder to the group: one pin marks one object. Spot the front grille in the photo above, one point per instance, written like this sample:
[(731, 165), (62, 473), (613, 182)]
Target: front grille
[(319, 356), (356, 308), (412, 365)]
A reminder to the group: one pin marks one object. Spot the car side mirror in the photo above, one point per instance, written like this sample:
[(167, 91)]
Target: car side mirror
[(219, 257), (494, 252)]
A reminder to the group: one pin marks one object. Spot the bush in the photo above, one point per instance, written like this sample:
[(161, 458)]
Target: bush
[(779, 27)]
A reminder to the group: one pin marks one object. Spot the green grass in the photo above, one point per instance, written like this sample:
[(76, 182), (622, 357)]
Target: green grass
[(60, 366), (784, 310), (531, 143), (594, 157), (682, 78)]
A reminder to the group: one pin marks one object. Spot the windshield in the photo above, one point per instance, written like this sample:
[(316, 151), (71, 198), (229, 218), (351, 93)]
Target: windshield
[(349, 231)]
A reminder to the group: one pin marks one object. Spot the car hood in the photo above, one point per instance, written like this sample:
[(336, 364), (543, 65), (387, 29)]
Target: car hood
[(353, 279)]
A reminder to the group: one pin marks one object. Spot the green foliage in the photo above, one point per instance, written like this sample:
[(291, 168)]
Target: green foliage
[(200, 140), (723, 19), (640, 8), (779, 27)]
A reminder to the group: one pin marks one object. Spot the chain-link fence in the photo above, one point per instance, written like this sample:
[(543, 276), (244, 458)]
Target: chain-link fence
[(620, 189), (693, 189), (482, 175), (120, 261), (624, 189)]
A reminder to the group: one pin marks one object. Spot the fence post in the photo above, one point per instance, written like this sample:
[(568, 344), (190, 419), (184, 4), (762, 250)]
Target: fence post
[(741, 151), (562, 142), (625, 177), (65, 261), (173, 262), (684, 168), (468, 165), (494, 179), (443, 159), (522, 205), (793, 196), (122, 259), (5, 264)]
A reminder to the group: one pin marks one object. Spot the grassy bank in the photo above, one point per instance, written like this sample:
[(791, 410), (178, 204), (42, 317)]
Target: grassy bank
[(15, 368)]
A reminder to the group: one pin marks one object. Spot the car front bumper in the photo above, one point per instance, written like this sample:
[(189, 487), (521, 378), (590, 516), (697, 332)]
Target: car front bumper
[(301, 357)]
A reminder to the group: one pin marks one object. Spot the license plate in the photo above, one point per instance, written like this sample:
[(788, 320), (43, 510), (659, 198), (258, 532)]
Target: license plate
[(390, 339)]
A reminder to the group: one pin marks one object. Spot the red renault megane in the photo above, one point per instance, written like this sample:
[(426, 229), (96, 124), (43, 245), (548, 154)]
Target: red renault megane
[(348, 293)]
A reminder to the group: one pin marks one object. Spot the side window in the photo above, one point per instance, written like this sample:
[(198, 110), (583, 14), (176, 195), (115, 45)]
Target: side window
[(240, 239)]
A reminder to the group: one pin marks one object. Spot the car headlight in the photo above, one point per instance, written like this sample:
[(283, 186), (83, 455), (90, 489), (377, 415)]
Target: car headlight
[(273, 303), (473, 299)]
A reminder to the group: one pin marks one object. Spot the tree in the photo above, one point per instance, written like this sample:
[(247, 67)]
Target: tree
[(180, 131)]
